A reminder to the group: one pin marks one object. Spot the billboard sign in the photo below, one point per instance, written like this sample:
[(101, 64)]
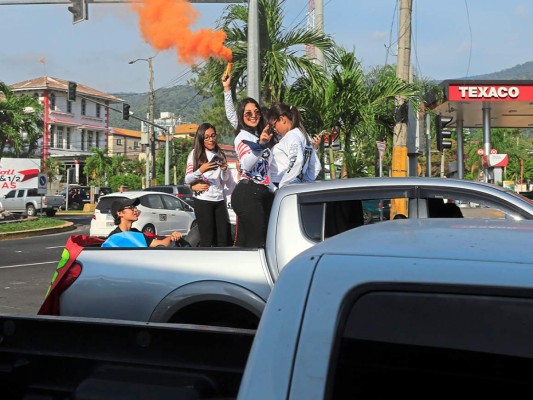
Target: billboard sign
[(18, 173)]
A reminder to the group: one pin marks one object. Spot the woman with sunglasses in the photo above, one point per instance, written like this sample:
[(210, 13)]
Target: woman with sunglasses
[(207, 164), (253, 196), (295, 159)]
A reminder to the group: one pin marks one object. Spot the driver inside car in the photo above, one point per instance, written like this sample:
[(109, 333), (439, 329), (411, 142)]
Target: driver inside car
[(125, 213)]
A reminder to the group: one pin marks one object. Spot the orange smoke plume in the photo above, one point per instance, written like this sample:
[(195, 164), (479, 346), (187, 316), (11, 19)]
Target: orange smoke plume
[(166, 24)]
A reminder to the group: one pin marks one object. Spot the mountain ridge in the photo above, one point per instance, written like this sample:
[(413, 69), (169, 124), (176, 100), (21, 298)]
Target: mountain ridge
[(186, 101)]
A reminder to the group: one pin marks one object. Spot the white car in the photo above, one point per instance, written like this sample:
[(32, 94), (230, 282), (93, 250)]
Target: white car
[(161, 214)]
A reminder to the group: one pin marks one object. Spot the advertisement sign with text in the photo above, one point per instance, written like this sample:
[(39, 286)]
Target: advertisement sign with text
[(18, 173)]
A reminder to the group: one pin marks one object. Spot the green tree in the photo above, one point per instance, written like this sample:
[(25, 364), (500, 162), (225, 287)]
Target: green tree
[(97, 166), (20, 122), (53, 168), (362, 106), (281, 52)]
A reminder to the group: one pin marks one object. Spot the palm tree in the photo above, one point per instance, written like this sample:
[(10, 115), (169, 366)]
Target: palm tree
[(20, 122), (97, 165), (362, 106), (280, 51), (53, 168)]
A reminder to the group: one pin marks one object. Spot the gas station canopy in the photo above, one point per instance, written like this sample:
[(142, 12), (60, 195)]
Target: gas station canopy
[(510, 103)]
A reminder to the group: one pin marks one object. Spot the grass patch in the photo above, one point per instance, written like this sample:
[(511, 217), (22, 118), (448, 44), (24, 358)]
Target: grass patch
[(39, 223)]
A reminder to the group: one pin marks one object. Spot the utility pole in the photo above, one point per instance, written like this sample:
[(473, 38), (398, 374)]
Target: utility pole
[(403, 67), (151, 131), (319, 27), (151, 111), (253, 50)]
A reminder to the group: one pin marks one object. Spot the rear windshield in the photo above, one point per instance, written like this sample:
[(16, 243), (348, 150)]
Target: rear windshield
[(184, 190), (104, 205)]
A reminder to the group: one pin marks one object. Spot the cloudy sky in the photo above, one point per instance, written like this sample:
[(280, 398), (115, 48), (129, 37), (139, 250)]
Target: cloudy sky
[(451, 39)]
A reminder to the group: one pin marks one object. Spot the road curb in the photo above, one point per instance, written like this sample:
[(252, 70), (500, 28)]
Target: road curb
[(67, 226)]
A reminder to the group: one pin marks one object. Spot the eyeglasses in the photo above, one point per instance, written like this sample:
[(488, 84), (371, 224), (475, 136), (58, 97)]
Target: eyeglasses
[(250, 114), (210, 137), (132, 208)]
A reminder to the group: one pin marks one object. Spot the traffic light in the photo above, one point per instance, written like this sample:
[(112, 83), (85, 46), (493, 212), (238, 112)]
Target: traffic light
[(126, 111), (443, 136), (79, 10), (72, 91)]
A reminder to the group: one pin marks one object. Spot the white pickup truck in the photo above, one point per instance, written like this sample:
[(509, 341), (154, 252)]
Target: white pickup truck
[(30, 202), (230, 286), (413, 309)]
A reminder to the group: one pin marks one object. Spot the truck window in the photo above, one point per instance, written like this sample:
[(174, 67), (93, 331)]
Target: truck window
[(33, 192), (20, 193), (11, 194), (324, 215), (434, 345)]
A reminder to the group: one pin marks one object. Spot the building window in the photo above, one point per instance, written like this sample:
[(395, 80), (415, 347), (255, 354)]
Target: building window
[(69, 106), (68, 138), (90, 136), (36, 95), (97, 144), (98, 111), (83, 139), (52, 101), (83, 107), (60, 137), (135, 145), (119, 142), (52, 134)]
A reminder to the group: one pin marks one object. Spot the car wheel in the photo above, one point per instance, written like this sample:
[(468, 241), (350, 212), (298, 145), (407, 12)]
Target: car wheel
[(30, 210), (50, 213), (367, 217), (149, 229), (193, 237)]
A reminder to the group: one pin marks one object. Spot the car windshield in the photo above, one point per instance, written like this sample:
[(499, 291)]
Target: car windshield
[(104, 205)]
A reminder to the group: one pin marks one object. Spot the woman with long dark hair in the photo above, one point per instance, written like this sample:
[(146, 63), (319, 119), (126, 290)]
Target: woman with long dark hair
[(207, 163), (253, 196), (294, 158)]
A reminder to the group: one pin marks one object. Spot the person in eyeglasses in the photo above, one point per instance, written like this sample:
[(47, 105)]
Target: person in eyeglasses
[(207, 164), (125, 213), (253, 196)]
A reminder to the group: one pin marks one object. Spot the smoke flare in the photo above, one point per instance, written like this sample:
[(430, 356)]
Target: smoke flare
[(166, 24)]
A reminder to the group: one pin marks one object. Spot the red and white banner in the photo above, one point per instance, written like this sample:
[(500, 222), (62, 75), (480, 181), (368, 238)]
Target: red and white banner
[(495, 160), (18, 173)]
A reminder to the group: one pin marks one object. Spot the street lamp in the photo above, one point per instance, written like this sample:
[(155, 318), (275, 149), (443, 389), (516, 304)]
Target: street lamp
[(151, 135)]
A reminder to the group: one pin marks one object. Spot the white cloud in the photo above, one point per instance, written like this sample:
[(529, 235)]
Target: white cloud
[(379, 36), (522, 10)]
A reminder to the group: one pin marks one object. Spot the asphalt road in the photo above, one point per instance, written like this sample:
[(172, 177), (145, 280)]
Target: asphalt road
[(27, 265)]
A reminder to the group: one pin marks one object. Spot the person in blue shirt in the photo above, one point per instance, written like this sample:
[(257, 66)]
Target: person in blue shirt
[(125, 213)]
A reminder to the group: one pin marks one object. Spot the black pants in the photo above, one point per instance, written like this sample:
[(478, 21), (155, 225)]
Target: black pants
[(213, 223), (252, 203)]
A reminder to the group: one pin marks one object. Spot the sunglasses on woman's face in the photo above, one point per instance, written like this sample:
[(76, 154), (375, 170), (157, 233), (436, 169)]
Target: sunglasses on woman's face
[(250, 114)]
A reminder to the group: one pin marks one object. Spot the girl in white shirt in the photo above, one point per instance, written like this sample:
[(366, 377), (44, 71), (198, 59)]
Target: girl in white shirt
[(207, 163), (295, 159)]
